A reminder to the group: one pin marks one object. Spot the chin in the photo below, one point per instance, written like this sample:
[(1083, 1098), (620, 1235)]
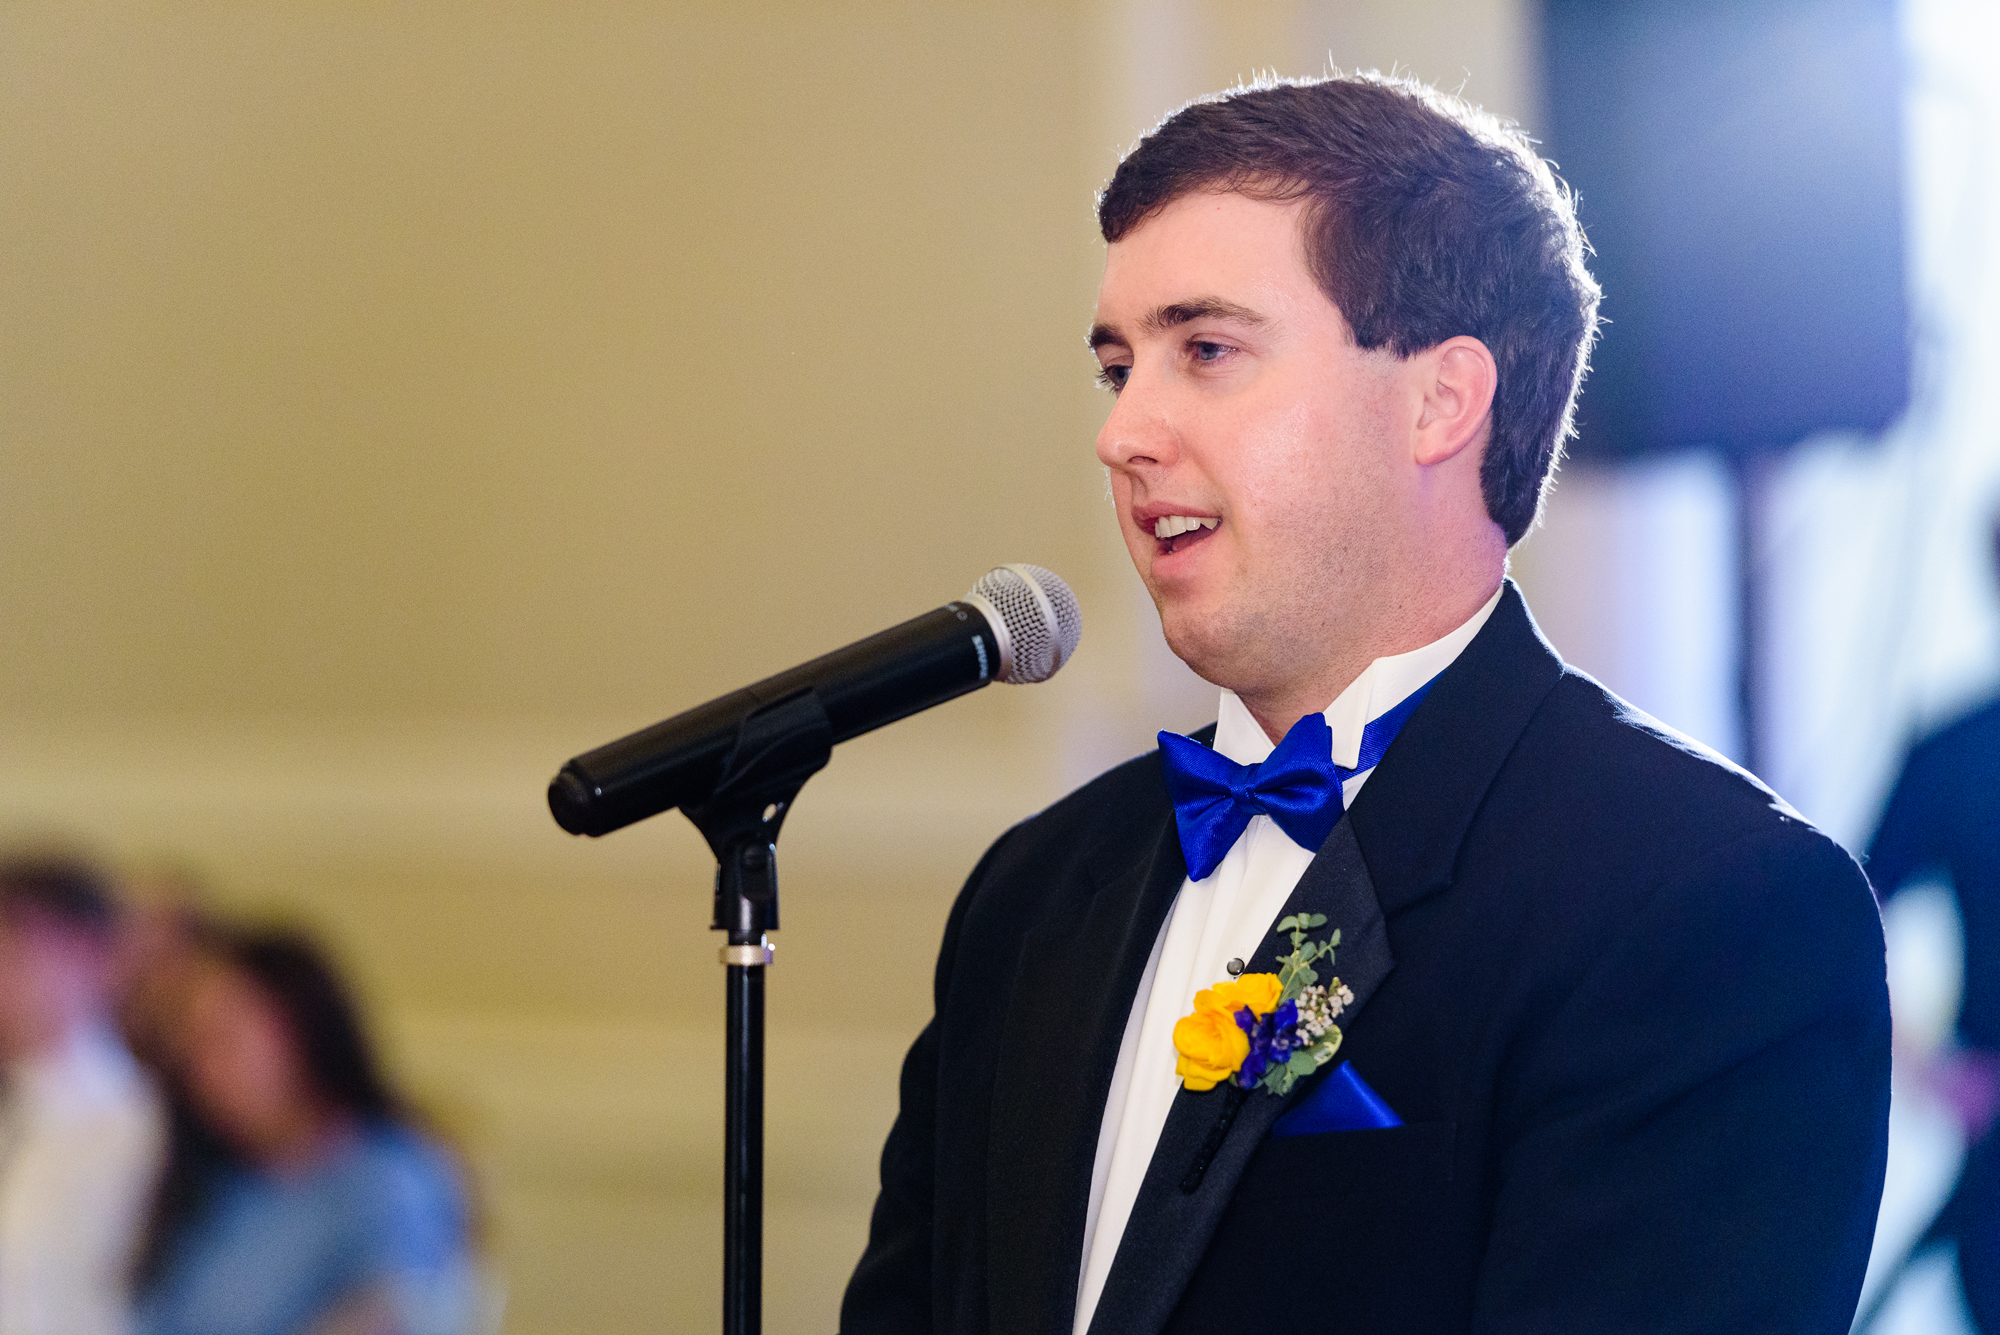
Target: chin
[(1204, 644)]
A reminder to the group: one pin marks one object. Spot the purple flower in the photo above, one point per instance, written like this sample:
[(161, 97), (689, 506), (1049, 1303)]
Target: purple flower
[(1272, 1039)]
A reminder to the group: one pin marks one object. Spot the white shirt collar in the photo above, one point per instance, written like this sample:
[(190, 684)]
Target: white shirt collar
[(1380, 688)]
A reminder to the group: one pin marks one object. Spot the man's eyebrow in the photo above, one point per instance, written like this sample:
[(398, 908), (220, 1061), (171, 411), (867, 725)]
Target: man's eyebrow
[(1201, 308), (1180, 313)]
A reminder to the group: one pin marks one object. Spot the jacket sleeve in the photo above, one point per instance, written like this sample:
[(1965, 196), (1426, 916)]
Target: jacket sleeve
[(1695, 1139), (890, 1292)]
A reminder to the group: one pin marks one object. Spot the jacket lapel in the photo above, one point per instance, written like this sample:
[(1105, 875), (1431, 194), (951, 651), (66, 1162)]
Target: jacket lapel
[(1414, 812), (1171, 1225), (1080, 967)]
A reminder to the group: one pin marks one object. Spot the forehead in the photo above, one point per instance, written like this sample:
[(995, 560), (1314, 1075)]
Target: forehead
[(1213, 244)]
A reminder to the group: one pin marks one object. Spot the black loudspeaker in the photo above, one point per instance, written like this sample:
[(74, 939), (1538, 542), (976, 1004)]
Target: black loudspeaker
[(1739, 171)]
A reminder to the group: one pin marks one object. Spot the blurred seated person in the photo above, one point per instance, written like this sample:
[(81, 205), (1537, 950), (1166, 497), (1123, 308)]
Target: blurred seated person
[(1943, 820), (81, 1127), (299, 1196)]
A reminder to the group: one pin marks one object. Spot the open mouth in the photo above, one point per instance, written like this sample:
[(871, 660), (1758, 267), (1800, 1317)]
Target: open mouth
[(1174, 532)]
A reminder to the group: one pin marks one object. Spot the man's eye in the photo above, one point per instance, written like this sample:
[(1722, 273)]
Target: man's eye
[(1209, 352), (1113, 377)]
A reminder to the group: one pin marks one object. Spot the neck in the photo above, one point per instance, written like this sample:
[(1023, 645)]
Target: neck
[(302, 1140), (49, 1041), (1398, 627)]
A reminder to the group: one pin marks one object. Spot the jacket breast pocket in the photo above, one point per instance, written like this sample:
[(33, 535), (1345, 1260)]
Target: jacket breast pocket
[(1400, 1160), (1384, 1201)]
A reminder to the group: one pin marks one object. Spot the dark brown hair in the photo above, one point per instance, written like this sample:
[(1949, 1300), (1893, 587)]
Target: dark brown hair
[(64, 891), (1425, 219), (297, 978)]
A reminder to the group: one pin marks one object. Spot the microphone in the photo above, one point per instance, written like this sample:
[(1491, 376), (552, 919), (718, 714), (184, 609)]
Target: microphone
[(1018, 624)]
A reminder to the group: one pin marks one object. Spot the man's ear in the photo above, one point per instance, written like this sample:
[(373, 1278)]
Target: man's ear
[(1458, 380)]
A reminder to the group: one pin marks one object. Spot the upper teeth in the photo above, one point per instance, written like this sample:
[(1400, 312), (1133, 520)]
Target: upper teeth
[(1169, 526)]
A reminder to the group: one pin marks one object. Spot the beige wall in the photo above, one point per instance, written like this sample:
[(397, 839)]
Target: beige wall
[(397, 399)]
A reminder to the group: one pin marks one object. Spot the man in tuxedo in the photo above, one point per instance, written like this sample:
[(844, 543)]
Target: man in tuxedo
[(1613, 1032)]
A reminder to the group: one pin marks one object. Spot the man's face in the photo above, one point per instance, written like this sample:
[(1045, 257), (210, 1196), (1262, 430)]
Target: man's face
[(1243, 404), (52, 978)]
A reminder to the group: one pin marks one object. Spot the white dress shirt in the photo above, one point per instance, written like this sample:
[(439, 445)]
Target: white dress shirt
[(81, 1140), (1225, 917)]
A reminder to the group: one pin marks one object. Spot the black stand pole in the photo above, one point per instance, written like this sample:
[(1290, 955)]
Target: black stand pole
[(776, 751), (747, 955), (1751, 472)]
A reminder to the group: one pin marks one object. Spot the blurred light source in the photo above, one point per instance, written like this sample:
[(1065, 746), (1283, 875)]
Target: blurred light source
[(1739, 168)]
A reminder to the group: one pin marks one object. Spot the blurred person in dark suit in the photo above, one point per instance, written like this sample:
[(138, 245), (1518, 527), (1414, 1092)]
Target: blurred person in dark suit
[(1604, 1045), (81, 1126), (300, 1195), (1943, 820)]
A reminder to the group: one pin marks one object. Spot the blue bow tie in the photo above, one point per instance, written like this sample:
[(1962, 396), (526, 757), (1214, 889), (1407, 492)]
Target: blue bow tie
[(1297, 785)]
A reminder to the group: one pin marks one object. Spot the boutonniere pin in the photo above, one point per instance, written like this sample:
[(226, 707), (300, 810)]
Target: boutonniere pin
[(1266, 1029)]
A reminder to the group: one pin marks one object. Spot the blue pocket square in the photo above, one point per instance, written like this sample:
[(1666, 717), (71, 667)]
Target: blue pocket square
[(1343, 1102)]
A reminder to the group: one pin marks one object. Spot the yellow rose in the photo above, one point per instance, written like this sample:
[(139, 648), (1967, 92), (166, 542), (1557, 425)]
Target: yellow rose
[(1258, 991), (1211, 1046)]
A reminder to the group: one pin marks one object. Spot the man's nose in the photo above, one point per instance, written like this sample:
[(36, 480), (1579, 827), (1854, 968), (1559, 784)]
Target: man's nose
[(1140, 430)]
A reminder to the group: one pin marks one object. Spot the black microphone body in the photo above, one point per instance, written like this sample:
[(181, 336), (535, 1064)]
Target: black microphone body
[(925, 661)]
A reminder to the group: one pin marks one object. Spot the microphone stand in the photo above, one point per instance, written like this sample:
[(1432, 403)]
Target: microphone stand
[(777, 749)]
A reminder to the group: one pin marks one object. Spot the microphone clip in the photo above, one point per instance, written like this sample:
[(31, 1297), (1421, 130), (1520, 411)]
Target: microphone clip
[(777, 748)]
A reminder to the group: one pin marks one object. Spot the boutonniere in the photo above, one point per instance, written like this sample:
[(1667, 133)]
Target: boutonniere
[(1266, 1029)]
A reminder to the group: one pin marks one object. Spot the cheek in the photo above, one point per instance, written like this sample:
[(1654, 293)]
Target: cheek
[(266, 1060), (15, 985), (1326, 465), (1118, 496), (1292, 476), (1118, 489), (239, 1067), (29, 984)]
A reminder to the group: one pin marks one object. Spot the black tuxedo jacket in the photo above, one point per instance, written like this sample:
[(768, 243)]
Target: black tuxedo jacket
[(1629, 1006)]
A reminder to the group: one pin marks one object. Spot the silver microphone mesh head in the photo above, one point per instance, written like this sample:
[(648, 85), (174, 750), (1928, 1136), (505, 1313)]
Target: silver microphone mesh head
[(1038, 615)]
